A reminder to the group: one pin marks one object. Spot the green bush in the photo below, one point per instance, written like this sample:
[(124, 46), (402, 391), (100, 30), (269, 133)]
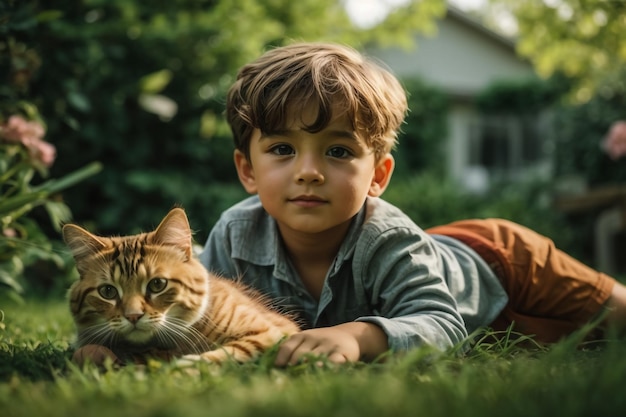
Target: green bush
[(432, 200), (422, 140), (581, 129), (140, 87), (525, 96), (25, 159)]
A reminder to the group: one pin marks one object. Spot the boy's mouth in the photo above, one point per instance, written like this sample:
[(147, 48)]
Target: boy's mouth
[(307, 201)]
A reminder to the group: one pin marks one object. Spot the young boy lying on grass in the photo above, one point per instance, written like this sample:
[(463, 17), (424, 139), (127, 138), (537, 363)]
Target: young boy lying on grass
[(314, 125)]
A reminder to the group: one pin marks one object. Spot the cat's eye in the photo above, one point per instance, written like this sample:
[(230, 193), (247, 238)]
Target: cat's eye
[(157, 285), (108, 292)]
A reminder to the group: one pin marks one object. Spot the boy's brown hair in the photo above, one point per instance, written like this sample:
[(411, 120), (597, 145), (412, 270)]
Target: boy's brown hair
[(285, 80)]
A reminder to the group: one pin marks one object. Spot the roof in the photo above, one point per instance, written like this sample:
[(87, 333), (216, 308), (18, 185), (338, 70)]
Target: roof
[(463, 57), (455, 13)]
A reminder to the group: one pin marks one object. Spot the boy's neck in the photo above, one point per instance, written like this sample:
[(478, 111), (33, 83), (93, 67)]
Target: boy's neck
[(313, 254)]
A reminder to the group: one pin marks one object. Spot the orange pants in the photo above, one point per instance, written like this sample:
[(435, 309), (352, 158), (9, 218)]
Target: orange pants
[(550, 293)]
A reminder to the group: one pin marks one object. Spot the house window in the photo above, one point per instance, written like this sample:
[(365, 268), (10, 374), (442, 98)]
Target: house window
[(504, 146)]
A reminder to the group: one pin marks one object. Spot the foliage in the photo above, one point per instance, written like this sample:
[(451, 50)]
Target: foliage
[(581, 130), (140, 87), (431, 200), (581, 39), (22, 242), (523, 97), (25, 158), (421, 142), (491, 379)]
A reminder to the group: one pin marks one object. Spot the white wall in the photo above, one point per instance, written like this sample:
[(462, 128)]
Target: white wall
[(460, 58)]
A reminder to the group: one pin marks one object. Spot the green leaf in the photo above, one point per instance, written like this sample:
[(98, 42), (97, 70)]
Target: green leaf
[(14, 203), (38, 194), (7, 280), (79, 101), (155, 82), (58, 212), (48, 15), (55, 185)]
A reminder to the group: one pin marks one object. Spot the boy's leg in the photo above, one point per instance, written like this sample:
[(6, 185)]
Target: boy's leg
[(550, 293)]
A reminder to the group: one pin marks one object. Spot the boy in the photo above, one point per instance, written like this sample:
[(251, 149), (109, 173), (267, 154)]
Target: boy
[(314, 125)]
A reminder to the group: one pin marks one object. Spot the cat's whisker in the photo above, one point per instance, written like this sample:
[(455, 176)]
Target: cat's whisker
[(209, 327), (195, 332), (96, 334), (181, 333)]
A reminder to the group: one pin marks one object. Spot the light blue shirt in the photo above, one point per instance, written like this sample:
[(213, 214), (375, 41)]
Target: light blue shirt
[(419, 289)]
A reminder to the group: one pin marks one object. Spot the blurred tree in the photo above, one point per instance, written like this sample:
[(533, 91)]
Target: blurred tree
[(140, 87), (582, 39), (420, 145)]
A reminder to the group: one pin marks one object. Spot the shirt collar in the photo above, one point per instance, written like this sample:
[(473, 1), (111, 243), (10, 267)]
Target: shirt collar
[(271, 251)]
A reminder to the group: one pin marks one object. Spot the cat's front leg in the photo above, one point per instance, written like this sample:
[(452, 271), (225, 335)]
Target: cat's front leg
[(187, 361), (218, 356)]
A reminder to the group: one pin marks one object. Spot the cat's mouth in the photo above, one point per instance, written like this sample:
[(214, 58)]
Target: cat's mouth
[(147, 337), (137, 336)]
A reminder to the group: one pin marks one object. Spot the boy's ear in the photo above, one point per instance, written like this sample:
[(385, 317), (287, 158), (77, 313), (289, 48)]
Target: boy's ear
[(382, 175), (245, 172)]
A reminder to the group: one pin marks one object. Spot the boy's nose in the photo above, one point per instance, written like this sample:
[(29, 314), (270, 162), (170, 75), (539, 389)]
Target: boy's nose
[(309, 171)]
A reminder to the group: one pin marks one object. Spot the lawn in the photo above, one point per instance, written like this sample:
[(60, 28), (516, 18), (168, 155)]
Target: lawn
[(491, 379)]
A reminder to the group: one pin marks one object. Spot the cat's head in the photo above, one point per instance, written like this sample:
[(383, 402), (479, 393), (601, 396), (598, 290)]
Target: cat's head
[(140, 290)]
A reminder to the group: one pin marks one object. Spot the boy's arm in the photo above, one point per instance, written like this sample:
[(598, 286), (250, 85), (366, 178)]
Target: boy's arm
[(404, 277), (414, 307), (346, 342)]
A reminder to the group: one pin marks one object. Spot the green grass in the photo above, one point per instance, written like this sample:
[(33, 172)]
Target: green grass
[(500, 379)]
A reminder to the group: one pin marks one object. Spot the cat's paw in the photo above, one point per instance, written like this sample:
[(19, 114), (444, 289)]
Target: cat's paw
[(96, 354), (187, 361)]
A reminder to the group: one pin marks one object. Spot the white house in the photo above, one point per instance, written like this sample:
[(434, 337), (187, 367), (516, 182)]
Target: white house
[(463, 58)]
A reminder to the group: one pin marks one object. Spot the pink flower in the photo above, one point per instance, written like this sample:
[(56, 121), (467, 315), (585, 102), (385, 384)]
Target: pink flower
[(30, 134), (614, 143), (18, 129), (41, 151), (9, 232)]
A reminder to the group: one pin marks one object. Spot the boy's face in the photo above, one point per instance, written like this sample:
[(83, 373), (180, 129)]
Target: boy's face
[(312, 182)]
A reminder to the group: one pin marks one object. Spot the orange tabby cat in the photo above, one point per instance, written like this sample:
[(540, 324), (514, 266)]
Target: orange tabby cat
[(147, 294)]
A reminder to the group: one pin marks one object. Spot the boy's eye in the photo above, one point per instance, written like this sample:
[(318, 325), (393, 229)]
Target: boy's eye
[(108, 292), (339, 152), (282, 150)]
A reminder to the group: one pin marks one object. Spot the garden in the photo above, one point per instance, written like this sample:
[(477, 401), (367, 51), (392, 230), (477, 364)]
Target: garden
[(111, 113)]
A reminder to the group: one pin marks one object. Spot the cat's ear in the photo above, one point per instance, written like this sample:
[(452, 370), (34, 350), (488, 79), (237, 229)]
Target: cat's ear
[(174, 230), (81, 242)]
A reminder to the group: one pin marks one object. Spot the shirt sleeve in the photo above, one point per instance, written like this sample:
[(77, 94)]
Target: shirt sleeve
[(216, 255), (403, 278)]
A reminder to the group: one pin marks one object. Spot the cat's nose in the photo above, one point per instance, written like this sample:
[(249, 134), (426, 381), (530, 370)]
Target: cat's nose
[(133, 318)]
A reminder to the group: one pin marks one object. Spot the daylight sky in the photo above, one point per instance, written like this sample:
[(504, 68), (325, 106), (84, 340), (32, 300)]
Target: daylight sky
[(369, 12)]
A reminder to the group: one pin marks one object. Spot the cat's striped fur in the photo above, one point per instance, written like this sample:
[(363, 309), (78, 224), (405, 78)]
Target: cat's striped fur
[(148, 293)]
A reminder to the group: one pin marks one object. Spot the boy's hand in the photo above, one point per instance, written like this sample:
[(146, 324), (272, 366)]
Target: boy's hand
[(347, 342)]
